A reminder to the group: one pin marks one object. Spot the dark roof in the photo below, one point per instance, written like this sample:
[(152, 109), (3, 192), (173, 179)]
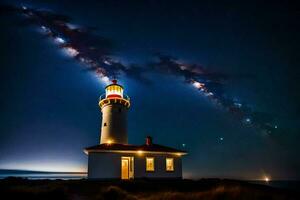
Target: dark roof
[(130, 147)]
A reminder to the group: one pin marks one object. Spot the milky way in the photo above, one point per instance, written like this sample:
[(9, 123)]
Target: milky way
[(210, 84), (96, 53)]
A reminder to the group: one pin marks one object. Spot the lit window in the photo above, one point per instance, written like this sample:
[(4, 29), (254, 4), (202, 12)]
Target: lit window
[(149, 164), (169, 164)]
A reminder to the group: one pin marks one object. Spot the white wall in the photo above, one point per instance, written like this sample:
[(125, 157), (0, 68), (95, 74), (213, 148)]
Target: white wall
[(114, 116), (104, 165), (108, 165)]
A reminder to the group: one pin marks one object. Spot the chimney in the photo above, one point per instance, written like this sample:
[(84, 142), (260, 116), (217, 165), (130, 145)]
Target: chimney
[(148, 140)]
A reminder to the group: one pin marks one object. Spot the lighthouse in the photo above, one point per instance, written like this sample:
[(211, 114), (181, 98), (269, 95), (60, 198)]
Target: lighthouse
[(114, 105), (114, 158)]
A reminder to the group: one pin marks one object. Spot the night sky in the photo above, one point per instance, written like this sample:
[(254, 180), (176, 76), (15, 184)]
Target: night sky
[(244, 123)]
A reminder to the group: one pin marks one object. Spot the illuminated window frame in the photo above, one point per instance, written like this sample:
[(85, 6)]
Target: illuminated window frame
[(169, 164), (149, 167)]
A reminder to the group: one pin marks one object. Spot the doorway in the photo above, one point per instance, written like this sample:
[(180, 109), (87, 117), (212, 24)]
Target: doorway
[(127, 168)]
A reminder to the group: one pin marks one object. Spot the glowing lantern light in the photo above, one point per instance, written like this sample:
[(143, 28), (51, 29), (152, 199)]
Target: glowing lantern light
[(114, 90)]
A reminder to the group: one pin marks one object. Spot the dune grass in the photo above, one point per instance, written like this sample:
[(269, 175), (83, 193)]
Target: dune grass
[(205, 189)]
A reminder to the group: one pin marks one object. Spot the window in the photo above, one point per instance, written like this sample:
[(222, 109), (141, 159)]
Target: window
[(105, 124), (169, 164), (149, 164)]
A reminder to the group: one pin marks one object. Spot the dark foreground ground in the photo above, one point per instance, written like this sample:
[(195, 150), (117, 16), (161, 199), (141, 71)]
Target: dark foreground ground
[(206, 189)]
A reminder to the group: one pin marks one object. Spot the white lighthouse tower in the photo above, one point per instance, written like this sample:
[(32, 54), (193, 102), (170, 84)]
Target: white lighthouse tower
[(114, 105)]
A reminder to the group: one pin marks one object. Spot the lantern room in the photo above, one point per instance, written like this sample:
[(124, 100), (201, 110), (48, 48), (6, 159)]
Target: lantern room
[(114, 90), (114, 95)]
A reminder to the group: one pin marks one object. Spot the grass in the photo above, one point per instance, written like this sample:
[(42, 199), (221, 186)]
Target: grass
[(206, 189)]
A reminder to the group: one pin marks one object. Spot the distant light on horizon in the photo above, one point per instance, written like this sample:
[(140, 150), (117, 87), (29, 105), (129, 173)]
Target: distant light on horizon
[(266, 179)]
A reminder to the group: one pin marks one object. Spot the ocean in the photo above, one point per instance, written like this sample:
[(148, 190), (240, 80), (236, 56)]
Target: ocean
[(42, 175)]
